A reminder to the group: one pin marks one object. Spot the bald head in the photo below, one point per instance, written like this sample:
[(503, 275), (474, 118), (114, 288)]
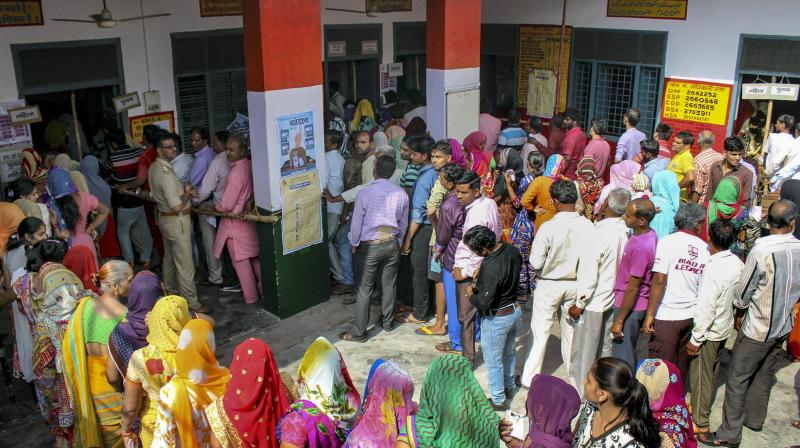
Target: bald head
[(781, 216), (705, 139), (638, 215)]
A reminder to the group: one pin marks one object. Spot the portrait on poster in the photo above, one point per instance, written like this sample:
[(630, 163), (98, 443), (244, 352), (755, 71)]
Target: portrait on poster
[(296, 140)]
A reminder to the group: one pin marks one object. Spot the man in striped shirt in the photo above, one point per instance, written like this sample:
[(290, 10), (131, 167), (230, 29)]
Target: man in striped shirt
[(770, 287)]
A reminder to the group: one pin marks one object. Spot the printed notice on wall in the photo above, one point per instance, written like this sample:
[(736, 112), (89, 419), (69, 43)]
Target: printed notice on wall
[(694, 106), (301, 209), (389, 5), (647, 9), (296, 140), (21, 13), (213, 8), (538, 49), (13, 134), (541, 93), (11, 163)]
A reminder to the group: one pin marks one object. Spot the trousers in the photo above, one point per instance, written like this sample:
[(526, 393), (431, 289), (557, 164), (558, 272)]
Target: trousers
[(467, 315), (703, 376), (499, 335), (345, 251), (132, 230), (419, 273), (451, 297), (376, 262), (249, 273), (209, 233), (178, 264), (333, 253), (625, 348), (668, 342), (591, 340)]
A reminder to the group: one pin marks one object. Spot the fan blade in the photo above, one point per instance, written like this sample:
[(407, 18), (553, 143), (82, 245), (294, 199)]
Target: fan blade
[(96, 17), (144, 17), (73, 20), (346, 10)]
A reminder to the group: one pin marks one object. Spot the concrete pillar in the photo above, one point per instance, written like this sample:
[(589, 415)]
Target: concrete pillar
[(453, 58), (283, 48)]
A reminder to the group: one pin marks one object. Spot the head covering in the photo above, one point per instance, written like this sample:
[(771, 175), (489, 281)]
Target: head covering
[(143, 293), (378, 362), (790, 190), (10, 217), (387, 404), (589, 186), (667, 198), (667, 401), (82, 261), (474, 145), (416, 126), (395, 135), (453, 410), (198, 371), (63, 160), (32, 166), (554, 166), (90, 167), (364, 118), (165, 322), (640, 182), (457, 155), (61, 291), (379, 139), (59, 183), (552, 404), (727, 200), (256, 399), (621, 176), (323, 379)]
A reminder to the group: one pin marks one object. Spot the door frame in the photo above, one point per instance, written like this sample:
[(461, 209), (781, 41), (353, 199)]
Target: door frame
[(351, 58)]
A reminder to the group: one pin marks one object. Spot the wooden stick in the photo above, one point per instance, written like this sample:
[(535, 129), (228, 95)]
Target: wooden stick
[(75, 127), (560, 55)]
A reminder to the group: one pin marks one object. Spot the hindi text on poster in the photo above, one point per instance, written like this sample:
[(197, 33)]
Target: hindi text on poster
[(214, 8), (164, 120), (538, 49), (701, 102), (388, 5), (301, 220), (647, 9), (21, 13)]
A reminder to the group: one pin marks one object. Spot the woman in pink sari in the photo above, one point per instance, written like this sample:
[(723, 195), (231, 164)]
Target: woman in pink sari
[(476, 159), (621, 176), (667, 402)]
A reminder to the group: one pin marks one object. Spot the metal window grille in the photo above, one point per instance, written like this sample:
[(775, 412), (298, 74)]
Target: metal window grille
[(649, 87), (582, 79), (613, 93)]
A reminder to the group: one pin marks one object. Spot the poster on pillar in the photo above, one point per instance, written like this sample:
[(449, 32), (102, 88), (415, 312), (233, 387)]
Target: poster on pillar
[(301, 220), (694, 106), (538, 49), (296, 139)]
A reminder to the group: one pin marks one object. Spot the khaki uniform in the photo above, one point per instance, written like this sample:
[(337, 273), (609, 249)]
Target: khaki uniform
[(166, 190)]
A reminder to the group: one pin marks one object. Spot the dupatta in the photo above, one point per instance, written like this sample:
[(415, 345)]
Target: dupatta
[(323, 379), (474, 145), (131, 334), (667, 401), (552, 403)]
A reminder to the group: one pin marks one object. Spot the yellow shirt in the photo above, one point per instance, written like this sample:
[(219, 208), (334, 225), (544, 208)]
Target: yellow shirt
[(682, 163)]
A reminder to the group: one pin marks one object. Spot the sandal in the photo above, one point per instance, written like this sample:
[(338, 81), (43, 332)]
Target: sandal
[(408, 318), (347, 336), (402, 309), (426, 331), (796, 424), (446, 348), (712, 439)]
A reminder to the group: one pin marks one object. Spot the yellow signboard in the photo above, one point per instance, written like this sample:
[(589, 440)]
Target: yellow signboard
[(213, 8), (647, 9), (164, 120), (389, 5), (21, 13), (302, 211), (538, 49), (696, 101)]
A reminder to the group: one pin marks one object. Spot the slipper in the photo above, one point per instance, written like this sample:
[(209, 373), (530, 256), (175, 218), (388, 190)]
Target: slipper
[(796, 424), (446, 348), (408, 318), (347, 336), (426, 331), (712, 439)]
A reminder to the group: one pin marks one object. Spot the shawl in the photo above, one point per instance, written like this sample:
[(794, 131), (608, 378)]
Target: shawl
[(131, 334), (387, 404), (10, 217), (33, 167), (667, 198), (457, 155), (323, 379), (170, 314), (395, 135), (57, 292), (790, 189), (474, 145), (727, 200), (90, 167), (552, 404), (378, 362), (364, 116), (82, 262), (621, 176), (379, 140), (255, 400), (416, 126), (59, 184), (453, 410), (667, 401), (589, 185), (554, 166), (198, 371)]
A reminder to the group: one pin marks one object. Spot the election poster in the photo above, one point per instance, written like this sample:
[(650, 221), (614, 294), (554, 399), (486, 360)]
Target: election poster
[(296, 141), (301, 219)]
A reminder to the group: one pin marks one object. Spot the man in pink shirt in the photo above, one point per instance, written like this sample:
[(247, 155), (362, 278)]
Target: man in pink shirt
[(574, 142), (598, 148), (489, 125)]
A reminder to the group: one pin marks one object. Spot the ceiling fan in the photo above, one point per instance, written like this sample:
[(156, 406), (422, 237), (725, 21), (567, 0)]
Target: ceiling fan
[(105, 20), (368, 12)]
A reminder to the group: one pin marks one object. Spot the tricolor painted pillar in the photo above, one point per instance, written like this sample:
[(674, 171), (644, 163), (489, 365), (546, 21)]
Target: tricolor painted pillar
[(283, 60), (454, 59)]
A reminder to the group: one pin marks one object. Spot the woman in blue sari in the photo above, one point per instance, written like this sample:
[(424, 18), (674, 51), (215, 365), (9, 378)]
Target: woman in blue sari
[(667, 198)]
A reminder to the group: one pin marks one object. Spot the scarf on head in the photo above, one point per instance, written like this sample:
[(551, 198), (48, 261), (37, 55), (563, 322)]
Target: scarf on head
[(395, 134), (640, 183), (453, 410), (790, 190), (727, 200), (378, 362), (620, 176), (667, 401), (589, 185), (554, 166), (82, 261), (10, 217), (33, 167), (379, 140), (59, 185), (90, 167), (58, 293), (364, 118), (255, 401), (474, 145), (457, 155), (165, 322), (198, 371), (667, 198), (323, 379), (387, 404), (143, 294), (552, 404)]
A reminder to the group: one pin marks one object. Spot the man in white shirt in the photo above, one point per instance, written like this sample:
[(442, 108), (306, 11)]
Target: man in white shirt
[(680, 261), (781, 146), (182, 164), (554, 257), (593, 311), (334, 183), (713, 318)]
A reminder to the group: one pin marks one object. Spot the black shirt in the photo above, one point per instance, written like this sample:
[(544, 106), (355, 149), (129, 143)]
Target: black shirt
[(496, 285)]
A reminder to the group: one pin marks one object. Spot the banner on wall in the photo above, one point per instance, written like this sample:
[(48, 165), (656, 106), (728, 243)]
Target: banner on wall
[(694, 106), (296, 140), (301, 220), (216, 8), (389, 5), (538, 49), (21, 13), (11, 134), (647, 9), (164, 120)]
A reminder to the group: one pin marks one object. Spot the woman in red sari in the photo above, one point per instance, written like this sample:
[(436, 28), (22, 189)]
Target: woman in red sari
[(476, 159)]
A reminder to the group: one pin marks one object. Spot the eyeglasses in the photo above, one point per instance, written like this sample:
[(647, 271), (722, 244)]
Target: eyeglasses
[(167, 147)]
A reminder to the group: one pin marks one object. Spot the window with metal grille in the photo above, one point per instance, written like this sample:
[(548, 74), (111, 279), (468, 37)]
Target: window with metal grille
[(209, 79), (614, 70)]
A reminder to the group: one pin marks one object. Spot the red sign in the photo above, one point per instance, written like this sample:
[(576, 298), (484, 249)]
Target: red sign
[(695, 106)]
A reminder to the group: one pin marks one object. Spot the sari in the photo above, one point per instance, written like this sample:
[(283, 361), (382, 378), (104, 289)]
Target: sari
[(589, 185), (33, 166), (552, 403), (725, 204), (97, 404), (667, 401), (64, 161), (621, 176), (522, 238), (667, 198), (256, 399), (154, 365), (90, 167), (198, 381), (10, 217), (453, 410), (477, 160), (387, 404), (82, 262), (131, 334), (364, 118), (328, 400)]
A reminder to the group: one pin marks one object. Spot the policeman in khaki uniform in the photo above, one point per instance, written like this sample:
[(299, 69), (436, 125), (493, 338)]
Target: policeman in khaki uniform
[(172, 201)]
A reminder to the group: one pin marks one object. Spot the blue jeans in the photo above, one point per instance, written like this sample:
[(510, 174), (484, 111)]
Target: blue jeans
[(345, 253), (498, 340), (453, 325)]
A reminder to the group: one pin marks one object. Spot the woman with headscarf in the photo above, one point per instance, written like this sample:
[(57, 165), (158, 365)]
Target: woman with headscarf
[(667, 402), (107, 232), (476, 159), (364, 118), (395, 135), (387, 404), (640, 187), (328, 400), (10, 217), (150, 368), (49, 294), (246, 417), (726, 204), (27, 195), (199, 380), (790, 190), (73, 168), (82, 262), (666, 198), (457, 155), (72, 209), (536, 198), (552, 404), (589, 185), (33, 167), (453, 410), (621, 176)]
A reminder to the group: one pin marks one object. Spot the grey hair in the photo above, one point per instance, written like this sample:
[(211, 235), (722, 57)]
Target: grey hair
[(618, 200), (705, 139), (689, 216), (112, 274)]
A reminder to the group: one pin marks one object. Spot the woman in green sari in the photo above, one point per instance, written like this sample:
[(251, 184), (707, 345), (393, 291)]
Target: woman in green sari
[(726, 204)]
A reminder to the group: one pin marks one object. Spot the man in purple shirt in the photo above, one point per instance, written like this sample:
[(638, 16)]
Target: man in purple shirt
[(380, 219), (628, 144), (203, 155), (632, 288)]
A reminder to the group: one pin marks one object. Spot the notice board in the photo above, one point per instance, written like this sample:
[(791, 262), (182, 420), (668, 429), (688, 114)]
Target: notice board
[(647, 9), (462, 112), (538, 49), (21, 13), (214, 8), (164, 120), (690, 105), (388, 5)]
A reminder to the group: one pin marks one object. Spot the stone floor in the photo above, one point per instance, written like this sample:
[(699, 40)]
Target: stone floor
[(21, 426)]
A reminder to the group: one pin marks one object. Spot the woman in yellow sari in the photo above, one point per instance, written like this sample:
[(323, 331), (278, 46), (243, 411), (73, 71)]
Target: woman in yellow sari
[(97, 405), (198, 381)]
